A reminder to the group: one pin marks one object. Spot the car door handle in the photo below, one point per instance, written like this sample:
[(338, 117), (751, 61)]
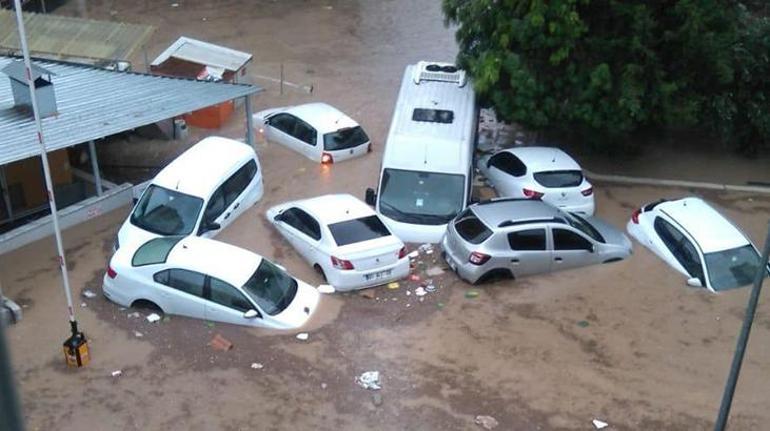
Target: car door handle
[(515, 260), (558, 259), (236, 206), (227, 216)]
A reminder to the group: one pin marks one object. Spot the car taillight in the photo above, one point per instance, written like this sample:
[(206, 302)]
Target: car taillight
[(531, 194), (341, 263), (327, 159), (587, 192), (477, 258), (635, 216), (111, 272), (402, 252)]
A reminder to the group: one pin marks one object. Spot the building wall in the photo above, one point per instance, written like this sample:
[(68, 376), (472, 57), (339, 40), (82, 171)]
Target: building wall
[(27, 175)]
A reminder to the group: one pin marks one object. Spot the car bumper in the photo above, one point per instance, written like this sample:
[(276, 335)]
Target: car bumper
[(354, 279), (114, 294), (460, 265)]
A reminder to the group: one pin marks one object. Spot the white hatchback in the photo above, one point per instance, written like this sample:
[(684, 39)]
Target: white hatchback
[(198, 193), (544, 173), (319, 131), (696, 240), (207, 279), (343, 239)]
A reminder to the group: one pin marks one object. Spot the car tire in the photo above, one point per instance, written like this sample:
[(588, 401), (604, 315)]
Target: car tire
[(496, 274), (144, 304)]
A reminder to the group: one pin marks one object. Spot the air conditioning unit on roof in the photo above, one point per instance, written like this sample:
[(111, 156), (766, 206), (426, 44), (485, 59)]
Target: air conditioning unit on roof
[(442, 72)]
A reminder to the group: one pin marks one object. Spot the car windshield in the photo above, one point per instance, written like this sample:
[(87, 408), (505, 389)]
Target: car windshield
[(166, 212), (271, 288), (732, 268), (345, 138), (421, 197), (558, 179), (582, 225), (358, 230), (470, 228)]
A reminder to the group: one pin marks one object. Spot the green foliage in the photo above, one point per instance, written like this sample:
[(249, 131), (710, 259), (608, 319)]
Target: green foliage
[(607, 68)]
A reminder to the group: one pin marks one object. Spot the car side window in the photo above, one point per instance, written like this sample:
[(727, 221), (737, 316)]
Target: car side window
[(283, 122), (181, 279), (236, 184), (305, 133), (683, 250), (530, 239), (225, 294), (301, 221), (567, 240), (508, 163), (215, 207)]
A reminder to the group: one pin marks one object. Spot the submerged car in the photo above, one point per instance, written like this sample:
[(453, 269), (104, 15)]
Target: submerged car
[(343, 239), (207, 279), (544, 173), (198, 193), (695, 239), (318, 131), (518, 237)]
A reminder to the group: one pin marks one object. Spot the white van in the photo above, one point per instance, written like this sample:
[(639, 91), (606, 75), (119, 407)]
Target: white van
[(427, 168), (199, 193)]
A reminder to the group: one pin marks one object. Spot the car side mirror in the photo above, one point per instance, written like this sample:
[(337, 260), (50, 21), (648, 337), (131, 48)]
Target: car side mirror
[(694, 282), (210, 226), (250, 314), (371, 197)]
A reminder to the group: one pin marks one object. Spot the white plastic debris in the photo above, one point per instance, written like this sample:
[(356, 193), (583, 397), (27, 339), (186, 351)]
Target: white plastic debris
[(600, 424), (487, 422), (430, 288), (117, 373), (302, 336), (256, 366), (89, 294), (138, 334), (420, 291), (326, 288), (152, 318), (426, 248), (174, 4), (413, 254), (323, 385), (408, 293), (134, 315), (369, 380), (83, 304)]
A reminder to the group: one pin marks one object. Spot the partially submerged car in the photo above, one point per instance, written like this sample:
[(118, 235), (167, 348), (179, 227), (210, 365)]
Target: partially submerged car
[(343, 239), (518, 237), (695, 239), (207, 279), (318, 131), (198, 193), (544, 173)]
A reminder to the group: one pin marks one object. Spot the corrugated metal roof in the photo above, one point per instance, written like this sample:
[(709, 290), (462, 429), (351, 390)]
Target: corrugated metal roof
[(94, 103), (197, 51), (69, 37)]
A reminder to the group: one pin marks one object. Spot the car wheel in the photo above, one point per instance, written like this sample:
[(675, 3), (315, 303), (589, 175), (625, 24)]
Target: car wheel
[(320, 271), (144, 304), (496, 274)]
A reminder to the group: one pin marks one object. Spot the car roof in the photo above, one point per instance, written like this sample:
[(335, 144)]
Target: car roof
[(710, 229), (495, 212), (323, 117), (201, 168), (539, 159), (330, 209), (226, 262)]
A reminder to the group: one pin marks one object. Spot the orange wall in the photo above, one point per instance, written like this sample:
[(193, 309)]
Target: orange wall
[(29, 173)]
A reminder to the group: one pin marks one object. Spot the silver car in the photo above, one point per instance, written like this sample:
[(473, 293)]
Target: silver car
[(517, 237)]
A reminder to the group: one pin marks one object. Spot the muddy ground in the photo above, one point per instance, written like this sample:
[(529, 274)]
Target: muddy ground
[(628, 343)]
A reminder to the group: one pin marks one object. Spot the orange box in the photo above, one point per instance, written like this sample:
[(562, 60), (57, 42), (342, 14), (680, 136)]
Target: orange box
[(212, 117)]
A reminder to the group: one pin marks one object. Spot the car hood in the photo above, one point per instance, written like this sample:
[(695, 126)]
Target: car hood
[(301, 308), (611, 234), (130, 235)]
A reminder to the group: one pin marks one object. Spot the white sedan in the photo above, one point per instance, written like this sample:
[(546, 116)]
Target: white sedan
[(544, 173), (207, 279), (343, 239), (696, 240), (318, 131)]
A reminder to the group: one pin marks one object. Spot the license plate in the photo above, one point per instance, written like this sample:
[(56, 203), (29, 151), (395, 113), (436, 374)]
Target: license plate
[(377, 275), (450, 262)]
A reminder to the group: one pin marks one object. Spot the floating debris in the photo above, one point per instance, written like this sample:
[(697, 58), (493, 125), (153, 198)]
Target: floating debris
[(326, 288), (152, 318), (369, 380), (302, 336), (488, 422), (472, 294), (256, 366), (89, 294)]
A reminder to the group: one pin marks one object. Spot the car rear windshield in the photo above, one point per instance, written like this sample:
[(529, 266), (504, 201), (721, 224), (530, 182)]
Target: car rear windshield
[(271, 288), (732, 268), (559, 179), (584, 226), (166, 212), (345, 138), (155, 251), (471, 228), (358, 230)]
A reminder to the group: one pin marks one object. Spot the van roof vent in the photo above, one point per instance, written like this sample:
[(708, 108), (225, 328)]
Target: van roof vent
[(442, 72)]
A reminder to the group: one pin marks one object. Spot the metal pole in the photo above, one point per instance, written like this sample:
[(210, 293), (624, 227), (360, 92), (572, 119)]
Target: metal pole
[(46, 170), (10, 410), (249, 122), (6, 195), (95, 168), (281, 78), (743, 339)]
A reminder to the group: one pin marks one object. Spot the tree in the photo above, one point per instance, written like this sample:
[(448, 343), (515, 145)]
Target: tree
[(606, 68)]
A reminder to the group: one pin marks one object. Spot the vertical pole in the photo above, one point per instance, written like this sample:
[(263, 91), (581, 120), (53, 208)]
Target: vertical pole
[(46, 170), (743, 339), (282, 79), (82, 9), (146, 59), (95, 168), (6, 195), (249, 122), (10, 411), (42, 6)]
